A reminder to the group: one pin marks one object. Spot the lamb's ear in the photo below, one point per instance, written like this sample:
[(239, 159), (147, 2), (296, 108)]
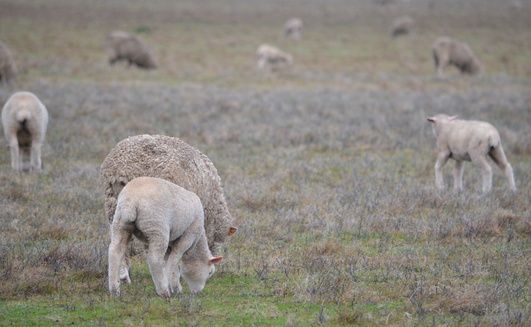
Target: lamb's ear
[(216, 260), (431, 119), (232, 230), (452, 118)]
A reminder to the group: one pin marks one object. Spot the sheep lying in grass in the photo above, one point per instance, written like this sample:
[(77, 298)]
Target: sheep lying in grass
[(473, 141), (25, 120), (170, 220), (293, 28), (271, 58), (402, 26), (171, 159), (8, 69), (447, 51), (124, 46)]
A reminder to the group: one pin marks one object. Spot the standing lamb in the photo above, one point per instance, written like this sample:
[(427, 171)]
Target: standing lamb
[(271, 58), (8, 69), (402, 26), (124, 46), (25, 120), (471, 140), (171, 159), (170, 220), (293, 28), (447, 51)]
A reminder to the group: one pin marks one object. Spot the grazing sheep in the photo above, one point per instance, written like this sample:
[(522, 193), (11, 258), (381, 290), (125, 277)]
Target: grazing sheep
[(271, 58), (171, 159), (402, 26), (293, 28), (124, 46), (170, 220), (464, 140), (8, 69), (25, 120), (447, 51)]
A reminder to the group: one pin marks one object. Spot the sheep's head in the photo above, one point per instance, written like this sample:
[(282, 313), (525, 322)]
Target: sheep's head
[(197, 272), (438, 120)]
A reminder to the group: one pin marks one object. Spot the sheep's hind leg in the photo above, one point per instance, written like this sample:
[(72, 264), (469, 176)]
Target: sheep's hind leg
[(155, 258), (486, 172), (117, 250), (499, 158)]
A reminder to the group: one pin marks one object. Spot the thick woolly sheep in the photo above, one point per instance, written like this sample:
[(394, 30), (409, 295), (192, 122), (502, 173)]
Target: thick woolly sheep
[(271, 58), (448, 51), (293, 28), (124, 46), (171, 159), (402, 26), (25, 120), (8, 69), (169, 219), (470, 140)]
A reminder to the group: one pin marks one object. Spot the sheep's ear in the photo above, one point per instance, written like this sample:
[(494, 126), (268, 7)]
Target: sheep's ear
[(216, 260), (232, 230), (431, 119), (452, 118)]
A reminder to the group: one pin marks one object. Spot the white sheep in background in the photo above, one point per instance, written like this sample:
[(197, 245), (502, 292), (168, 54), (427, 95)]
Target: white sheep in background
[(8, 69), (402, 26), (272, 58), (125, 46), (171, 159), (170, 220), (464, 140), (25, 120), (293, 28), (447, 51)]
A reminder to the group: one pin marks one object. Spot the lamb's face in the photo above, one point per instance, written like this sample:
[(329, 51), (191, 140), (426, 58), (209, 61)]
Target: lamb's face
[(197, 273)]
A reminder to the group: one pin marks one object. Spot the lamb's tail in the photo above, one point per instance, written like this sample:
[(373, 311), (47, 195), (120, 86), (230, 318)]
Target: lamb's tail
[(125, 213), (23, 115)]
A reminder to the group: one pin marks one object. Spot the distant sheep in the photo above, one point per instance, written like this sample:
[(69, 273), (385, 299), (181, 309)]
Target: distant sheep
[(170, 220), (124, 46), (463, 140), (171, 159), (402, 26), (271, 58), (25, 120), (448, 51), (8, 69), (293, 28)]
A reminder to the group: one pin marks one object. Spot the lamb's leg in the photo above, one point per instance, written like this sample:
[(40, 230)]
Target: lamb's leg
[(120, 240), (178, 249), (155, 258), (486, 172), (442, 159), (458, 176), (499, 158), (15, 154), (35, 157)]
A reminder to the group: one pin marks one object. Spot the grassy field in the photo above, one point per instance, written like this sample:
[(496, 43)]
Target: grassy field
[(327, 165)]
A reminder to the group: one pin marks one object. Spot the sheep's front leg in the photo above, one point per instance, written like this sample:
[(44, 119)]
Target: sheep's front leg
[(442, 159), (458, 176), (178, 249), (486, 172), (155, 258)]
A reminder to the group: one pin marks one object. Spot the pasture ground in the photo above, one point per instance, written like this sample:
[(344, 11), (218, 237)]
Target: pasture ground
[(327, 166)]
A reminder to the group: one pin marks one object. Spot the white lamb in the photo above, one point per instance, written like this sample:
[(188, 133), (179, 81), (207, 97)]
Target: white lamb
[(170, 220), (25, 120), (293, 28), (271, 58), (464, 140)]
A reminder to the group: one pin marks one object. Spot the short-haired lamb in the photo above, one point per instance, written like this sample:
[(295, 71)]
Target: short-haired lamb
[(468, 140), (402, 26), (293, 28), (128, 47), (447, 51), (25, 120), (271, 58), (169, 219)]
